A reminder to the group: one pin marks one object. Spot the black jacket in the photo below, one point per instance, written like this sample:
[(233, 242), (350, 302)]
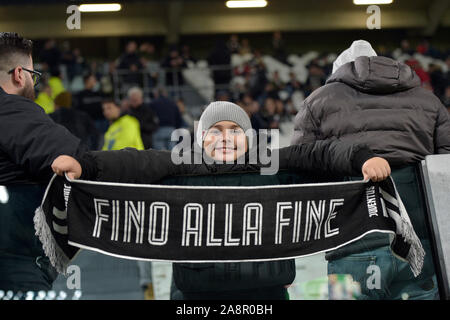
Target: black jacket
[(79, 123), (148, 122), (167, 112), (379, 102), (30, 141), (90, 102)]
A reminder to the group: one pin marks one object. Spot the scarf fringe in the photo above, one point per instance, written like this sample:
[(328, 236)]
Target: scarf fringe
[(58, 258), (416, 254)]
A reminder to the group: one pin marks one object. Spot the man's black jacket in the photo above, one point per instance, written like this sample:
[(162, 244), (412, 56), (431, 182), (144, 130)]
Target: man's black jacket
[(148, 122), (30, 141)]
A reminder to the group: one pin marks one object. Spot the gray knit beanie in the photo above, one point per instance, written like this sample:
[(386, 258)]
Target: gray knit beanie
[(221, 111)]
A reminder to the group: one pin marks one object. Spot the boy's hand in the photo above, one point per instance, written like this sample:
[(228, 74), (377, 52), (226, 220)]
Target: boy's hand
[(67, 164), (376, 169)]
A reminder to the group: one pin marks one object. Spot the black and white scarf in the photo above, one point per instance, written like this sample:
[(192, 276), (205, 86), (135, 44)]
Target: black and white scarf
[(219, 224)]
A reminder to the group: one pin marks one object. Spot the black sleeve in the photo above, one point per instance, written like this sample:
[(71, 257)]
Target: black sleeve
[(135, 166), (128, 165), (334, 156), (32, 140), (151, 121), (148, 166)]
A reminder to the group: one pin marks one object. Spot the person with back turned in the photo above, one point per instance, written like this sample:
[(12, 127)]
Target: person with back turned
[(379, 102)]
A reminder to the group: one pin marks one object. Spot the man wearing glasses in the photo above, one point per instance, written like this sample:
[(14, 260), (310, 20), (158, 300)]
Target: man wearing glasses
[(35, 75), (29, 142), (21, 84)]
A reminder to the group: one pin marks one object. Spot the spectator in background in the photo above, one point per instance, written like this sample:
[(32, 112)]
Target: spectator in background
[(324, 63), (405, 47), (251, 107), (95, 69), (233, 44), (50, 56), (130, 64), (270, 91), (257, 58), (245, 47), (44, 98), (278, 47), (186, 54), (423, 75), (89, 100), (79, 62), (188, 120), (269, 114), (369, 100), (107, 80), (243, 69), (150, 63), (246, 100), (169, 119), (77, 122), (220, 61), (276, 81), (68, 60), (147, 53), (130, 58), (148, 120), (55, 82), (425, 48), (297, 99), (173, 64), (279, 108), (124, 130), (437, 80), (257, 80), (290, 108), (293, 84), (316, 78)]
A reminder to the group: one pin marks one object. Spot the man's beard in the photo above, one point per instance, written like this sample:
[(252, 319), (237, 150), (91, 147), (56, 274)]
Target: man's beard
[(28, 91)]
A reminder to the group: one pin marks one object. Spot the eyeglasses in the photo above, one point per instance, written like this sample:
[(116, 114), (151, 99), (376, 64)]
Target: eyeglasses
[(36, 75)]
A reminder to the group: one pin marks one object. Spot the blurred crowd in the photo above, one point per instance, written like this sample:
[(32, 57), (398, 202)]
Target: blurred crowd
[(83, 95)]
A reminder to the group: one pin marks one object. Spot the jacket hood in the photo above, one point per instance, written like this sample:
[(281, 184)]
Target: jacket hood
[(376, 75), (358, 48)]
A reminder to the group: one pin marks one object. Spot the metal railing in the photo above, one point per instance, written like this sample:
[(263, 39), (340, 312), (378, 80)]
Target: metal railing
[(124, 79)]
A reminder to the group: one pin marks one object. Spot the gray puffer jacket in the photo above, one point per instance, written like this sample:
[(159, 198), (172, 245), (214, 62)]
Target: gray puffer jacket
[(379, 102)]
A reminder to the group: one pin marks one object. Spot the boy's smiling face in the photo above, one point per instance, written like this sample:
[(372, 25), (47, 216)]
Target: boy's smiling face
[(225, 141)]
